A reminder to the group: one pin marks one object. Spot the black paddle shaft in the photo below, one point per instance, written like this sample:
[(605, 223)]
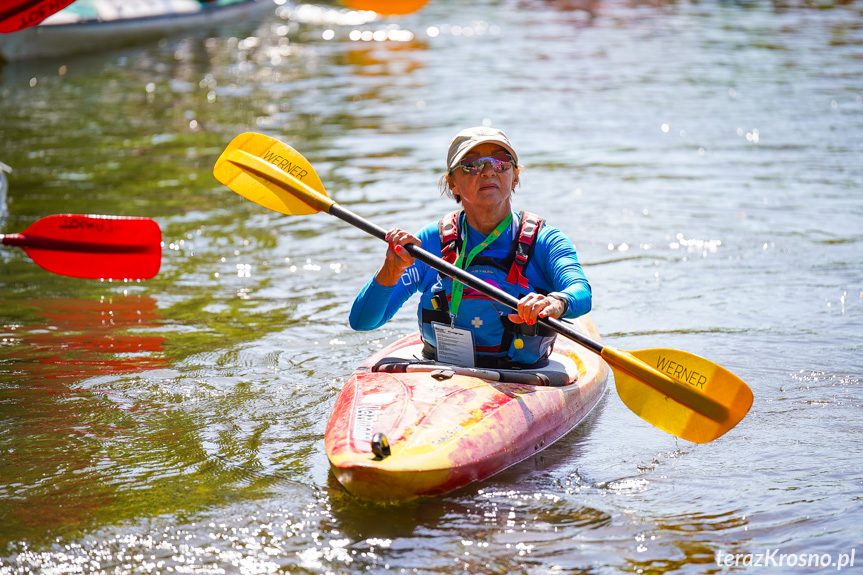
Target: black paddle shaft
[(461, 275)]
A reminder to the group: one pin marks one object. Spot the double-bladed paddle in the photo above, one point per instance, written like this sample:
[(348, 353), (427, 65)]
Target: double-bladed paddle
[(94, 247), (19, 14), (678, 392)]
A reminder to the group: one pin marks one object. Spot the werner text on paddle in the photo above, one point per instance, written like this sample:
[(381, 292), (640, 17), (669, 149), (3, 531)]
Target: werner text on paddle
[(680, 372), (285, 165)]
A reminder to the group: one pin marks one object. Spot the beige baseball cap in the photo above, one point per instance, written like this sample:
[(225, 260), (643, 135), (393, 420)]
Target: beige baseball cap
[(467, 139)]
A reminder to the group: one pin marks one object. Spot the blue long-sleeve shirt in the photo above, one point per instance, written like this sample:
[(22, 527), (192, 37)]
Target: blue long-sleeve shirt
[(554, 267)]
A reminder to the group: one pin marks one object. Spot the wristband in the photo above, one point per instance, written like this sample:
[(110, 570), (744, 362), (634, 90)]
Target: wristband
[(561, 297)]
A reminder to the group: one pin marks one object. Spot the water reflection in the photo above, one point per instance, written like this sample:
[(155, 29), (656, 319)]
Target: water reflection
[(60, 426), (99, 428), (589, 8), (78, 339)]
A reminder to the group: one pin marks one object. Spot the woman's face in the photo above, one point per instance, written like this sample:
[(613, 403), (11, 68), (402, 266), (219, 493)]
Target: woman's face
[(488, 189)]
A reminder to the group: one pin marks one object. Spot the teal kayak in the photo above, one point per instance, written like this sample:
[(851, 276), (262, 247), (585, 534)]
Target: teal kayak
[(92, 25)]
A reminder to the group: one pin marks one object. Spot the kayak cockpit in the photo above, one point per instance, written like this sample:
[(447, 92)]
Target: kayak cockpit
[(558, 370)]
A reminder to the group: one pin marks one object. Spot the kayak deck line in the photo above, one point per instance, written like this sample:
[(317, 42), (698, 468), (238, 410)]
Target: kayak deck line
[(556, 373)]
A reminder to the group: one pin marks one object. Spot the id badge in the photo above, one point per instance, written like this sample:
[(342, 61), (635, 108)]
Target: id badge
[(454, 345)]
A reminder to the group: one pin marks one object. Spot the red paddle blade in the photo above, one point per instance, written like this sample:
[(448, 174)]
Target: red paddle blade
[(19, 14), (94, 247)]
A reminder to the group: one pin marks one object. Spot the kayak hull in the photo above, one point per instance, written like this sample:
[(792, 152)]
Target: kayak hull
[(64, 39), (446, 433)]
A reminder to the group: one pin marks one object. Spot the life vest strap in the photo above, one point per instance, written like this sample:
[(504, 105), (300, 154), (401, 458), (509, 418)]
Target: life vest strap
[(528, 230), (448, 230)]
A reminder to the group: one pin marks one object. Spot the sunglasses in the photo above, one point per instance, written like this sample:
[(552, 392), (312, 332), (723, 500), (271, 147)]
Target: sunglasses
[(500, 162)]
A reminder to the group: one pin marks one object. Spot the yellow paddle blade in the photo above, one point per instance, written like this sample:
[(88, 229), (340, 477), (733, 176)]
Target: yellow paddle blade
[(679, 392), (386, 7), (272, 174)]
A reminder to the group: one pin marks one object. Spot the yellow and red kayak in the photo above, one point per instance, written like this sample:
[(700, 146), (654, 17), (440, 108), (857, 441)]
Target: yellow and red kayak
[(402, 427)]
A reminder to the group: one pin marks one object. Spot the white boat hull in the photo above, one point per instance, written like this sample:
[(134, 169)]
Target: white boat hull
[(50, 40)]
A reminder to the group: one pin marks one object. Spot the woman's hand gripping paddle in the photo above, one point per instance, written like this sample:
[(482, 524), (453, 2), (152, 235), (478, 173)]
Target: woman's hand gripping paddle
[(681, 393), (94, 247)]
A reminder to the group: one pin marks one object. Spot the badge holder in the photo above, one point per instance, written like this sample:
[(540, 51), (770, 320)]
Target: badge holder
[(454, 345)]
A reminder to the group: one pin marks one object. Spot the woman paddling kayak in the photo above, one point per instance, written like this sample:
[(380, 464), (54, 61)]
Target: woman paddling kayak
[(519, 253)]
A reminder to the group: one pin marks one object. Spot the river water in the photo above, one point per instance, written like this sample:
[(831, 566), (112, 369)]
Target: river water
[(705, 158)]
